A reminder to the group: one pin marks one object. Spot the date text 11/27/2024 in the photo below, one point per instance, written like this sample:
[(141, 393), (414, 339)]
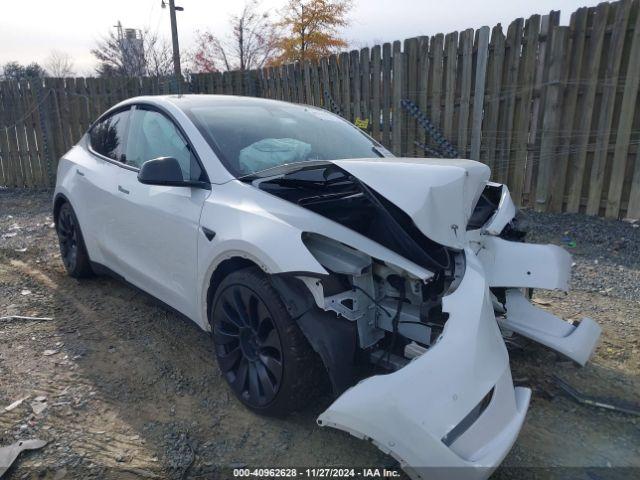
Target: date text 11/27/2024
[(316, 472)]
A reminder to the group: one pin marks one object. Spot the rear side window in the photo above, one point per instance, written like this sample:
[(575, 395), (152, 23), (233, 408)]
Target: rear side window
[(109, 135)]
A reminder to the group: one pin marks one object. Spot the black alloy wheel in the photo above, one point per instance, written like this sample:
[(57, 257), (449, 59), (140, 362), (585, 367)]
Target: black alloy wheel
[(248, 345), (68, 234), (72, 248)]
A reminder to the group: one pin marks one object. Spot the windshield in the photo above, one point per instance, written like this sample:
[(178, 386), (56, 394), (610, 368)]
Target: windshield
[(255, 135)]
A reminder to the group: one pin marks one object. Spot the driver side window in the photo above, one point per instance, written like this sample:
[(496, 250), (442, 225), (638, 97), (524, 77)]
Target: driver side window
[(153, 135)]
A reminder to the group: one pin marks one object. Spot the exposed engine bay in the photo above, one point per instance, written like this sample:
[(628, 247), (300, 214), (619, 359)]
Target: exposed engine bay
[(461, 229)]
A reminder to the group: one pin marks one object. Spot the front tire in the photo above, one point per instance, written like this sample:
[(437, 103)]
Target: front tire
[(260, 349), (72, 248)]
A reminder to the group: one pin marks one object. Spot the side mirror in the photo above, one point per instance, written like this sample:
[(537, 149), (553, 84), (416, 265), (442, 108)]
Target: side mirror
[(165, 171)]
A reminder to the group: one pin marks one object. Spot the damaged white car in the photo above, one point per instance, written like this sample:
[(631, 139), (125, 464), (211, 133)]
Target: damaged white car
[(316, 259)]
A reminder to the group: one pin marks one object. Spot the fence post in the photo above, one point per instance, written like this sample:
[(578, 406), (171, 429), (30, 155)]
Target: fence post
[(578, 164), (396, 126), (551, 118), (629, 105), (607, 103), (43, 113), (482, 55)]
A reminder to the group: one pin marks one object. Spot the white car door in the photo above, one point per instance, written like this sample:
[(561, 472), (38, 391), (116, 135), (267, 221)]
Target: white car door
[(158, 226), (95, 198)]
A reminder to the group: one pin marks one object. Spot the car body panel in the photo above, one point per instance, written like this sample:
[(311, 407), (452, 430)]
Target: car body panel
[(576, 342), (83, 177), (524, 265), (268, 231), (408, 412), (439, 195), (503, 215), (156, 237)]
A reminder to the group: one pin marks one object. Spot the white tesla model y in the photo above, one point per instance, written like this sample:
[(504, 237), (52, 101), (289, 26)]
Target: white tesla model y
[(315, 257)]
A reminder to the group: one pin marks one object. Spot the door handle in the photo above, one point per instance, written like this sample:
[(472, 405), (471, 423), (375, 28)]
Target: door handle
[(125, 191), (79, 172)]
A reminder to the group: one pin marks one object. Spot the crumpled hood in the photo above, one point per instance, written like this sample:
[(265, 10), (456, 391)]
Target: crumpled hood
[(438, 194)]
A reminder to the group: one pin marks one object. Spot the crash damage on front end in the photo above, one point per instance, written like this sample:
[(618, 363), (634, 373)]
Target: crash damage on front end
[(445, 404)]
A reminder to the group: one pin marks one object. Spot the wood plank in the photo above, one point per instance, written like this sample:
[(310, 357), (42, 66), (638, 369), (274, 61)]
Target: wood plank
[(623, 136), (4, 159), (409, 123), (316, 87), (547, 22), (306, 73), (466, 53), (56, 129), (423, 86), (286, 84), (31, 126), (15, 167), (279, 82), (436, 73), (334, 73), (74, 110), (386, 95), (26, 140), (345, 87), (300, 94), (492, 100), (578, 164), (8, 165), (22, 161), (42, 177), (65, 113), (509, 92), (355, 81), (326, 82), (607, 103), (482, 57), (551, 118), (365, 94), (522, 115), (450, 67), (578, 29), (376, 84), (397, 108)]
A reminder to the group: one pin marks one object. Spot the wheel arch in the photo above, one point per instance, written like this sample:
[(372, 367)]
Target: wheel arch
[(59, 200), (221, 270)]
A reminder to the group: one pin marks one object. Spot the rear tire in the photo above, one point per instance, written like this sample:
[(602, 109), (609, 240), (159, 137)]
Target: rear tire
[(261, 352), (72, 248)]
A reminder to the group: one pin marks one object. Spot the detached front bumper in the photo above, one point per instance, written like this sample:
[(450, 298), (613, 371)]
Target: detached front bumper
[(453, 412), (575, 342)]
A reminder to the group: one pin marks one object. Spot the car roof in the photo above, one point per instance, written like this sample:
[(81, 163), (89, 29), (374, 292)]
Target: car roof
[(189, 101)]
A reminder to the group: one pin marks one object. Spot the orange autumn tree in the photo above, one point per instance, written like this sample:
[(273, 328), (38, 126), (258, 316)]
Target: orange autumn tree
[(311, 29)]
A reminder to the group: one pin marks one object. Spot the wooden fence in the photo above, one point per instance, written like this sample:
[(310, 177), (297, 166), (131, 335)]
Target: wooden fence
[(553, 110)]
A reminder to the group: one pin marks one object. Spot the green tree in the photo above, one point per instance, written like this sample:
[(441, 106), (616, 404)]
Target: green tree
[(16, 71)]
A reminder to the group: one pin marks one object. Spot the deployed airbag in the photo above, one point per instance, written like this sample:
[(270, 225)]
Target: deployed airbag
[(272, 152)]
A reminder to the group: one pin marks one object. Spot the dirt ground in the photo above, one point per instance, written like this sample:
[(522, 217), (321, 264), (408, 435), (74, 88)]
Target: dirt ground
[(132, 389)]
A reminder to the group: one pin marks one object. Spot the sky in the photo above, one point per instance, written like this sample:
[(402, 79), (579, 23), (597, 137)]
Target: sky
[(31, 29)]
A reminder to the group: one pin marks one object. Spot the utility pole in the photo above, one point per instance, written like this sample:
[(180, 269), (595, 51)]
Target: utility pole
[(176, 47)]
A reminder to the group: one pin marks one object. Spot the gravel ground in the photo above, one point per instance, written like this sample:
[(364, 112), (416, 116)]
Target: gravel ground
[(132, 390), (606, 253)]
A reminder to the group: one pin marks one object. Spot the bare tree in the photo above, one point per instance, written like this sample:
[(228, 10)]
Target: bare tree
[(252, 43), (133, 53), (59, 64)]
